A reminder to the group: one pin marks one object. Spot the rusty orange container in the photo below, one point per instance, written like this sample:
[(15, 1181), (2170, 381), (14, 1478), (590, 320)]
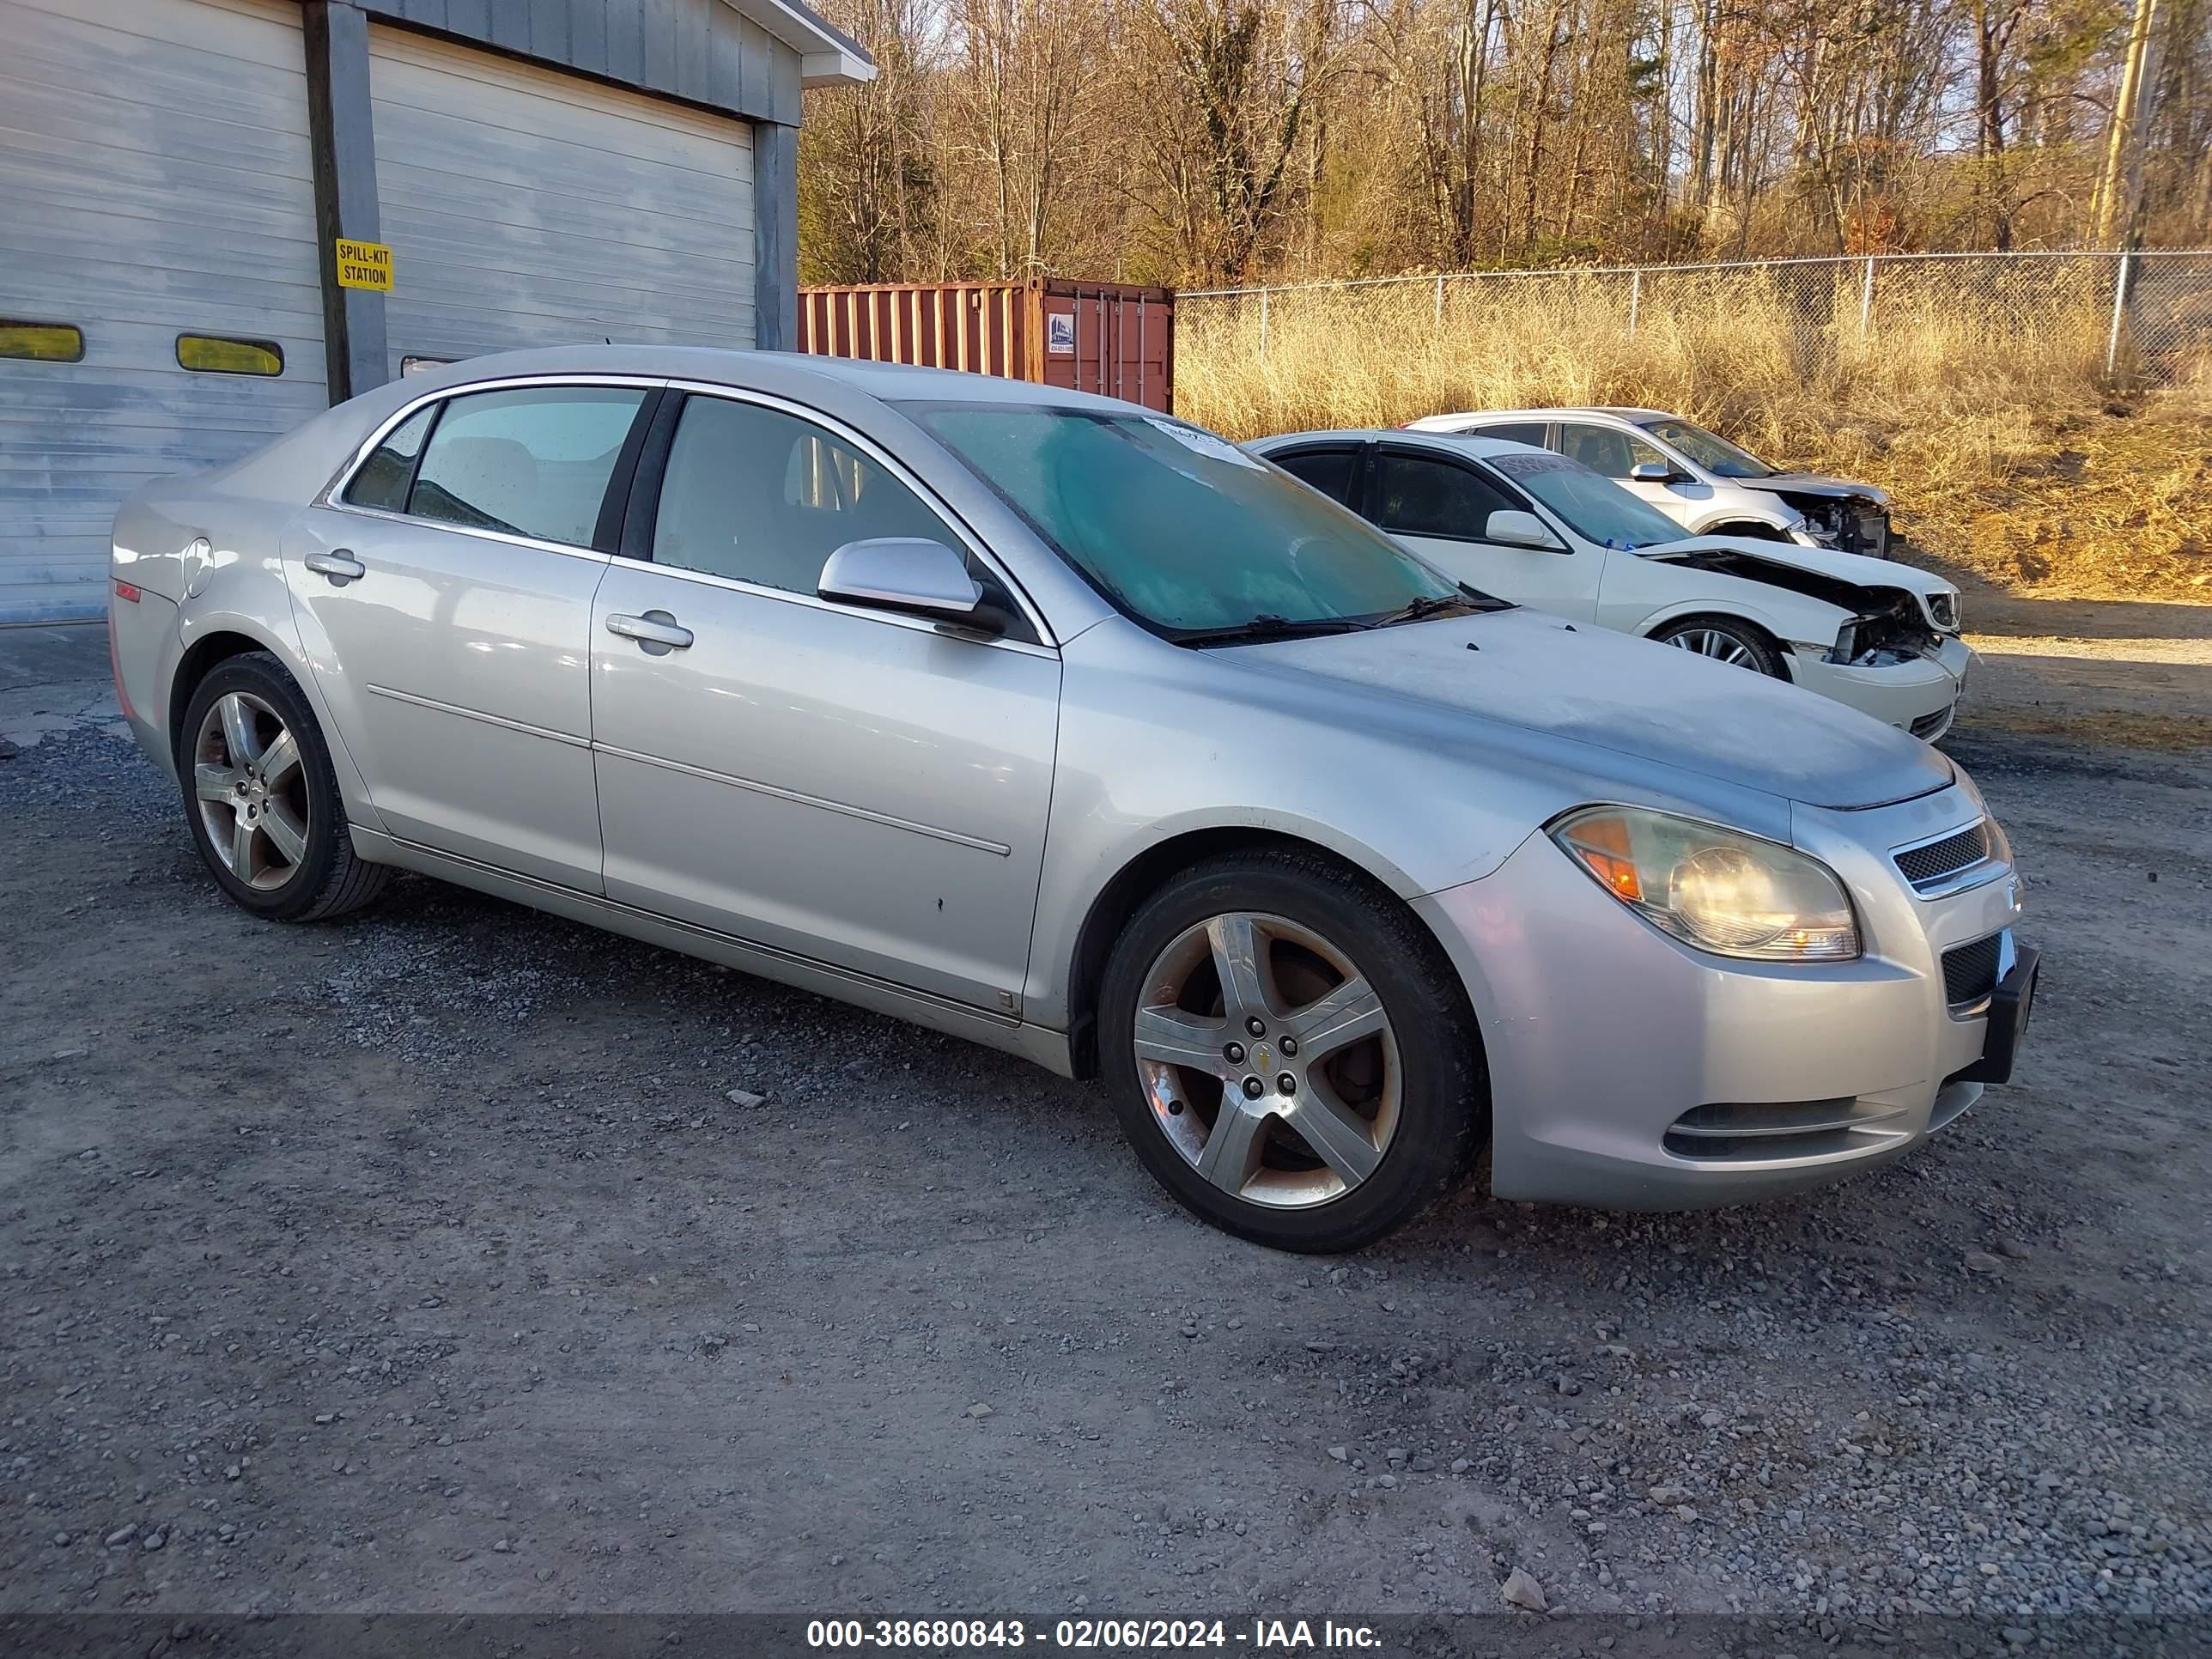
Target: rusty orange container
[(1109, 337)]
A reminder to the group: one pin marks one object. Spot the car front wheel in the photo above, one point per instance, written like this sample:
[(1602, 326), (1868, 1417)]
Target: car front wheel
[(1289, 1051), (262, 800), (1725, 639)]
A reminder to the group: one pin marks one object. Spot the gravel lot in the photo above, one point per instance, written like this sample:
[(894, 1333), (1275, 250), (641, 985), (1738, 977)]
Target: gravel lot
[(426, 1262)]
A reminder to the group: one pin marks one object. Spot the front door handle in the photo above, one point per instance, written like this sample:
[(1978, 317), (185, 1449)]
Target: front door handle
[(656, 632), (339, 565)]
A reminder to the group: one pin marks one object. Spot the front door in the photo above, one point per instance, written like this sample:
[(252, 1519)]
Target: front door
[(445, 601), (1440, 508), (855, 787)]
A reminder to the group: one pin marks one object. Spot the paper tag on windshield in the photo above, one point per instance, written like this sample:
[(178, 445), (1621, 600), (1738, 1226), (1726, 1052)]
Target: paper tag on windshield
[(1202, 442)]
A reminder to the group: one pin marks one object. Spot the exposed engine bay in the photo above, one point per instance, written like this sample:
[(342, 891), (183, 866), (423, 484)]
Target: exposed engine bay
[(1887, 626), (1853, 524)]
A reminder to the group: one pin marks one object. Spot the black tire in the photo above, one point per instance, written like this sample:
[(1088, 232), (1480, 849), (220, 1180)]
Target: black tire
[(1765, 656), (1442, 1111), (330, 879)]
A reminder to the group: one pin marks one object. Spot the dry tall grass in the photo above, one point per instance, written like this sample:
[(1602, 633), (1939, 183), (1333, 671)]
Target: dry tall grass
[(1987, 413)]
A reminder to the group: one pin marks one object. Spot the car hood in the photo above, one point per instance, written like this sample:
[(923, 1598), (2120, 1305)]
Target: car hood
[(1837, 566), (1813, 483), (1612, 691)]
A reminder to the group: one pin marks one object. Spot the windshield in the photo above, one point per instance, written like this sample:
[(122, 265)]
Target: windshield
[(1717, 455), (1180, 529), (1595, 508)]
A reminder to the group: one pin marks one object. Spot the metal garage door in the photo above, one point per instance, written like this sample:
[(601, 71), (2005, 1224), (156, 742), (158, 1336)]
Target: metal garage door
[(528, 208), (154, 182)]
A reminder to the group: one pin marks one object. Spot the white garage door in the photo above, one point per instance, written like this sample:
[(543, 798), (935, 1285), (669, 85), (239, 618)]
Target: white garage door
[(155, 183), (527, 208)]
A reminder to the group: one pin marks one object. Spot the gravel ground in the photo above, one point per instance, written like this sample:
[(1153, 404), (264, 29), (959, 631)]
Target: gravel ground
[(427, 1262)]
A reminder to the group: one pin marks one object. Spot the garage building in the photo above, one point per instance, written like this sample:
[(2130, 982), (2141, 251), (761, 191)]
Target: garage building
[(176, 177)]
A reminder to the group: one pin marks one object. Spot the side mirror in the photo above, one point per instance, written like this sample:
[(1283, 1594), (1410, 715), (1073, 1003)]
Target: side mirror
[(1517, 528), (903, 573), (1653, 472)]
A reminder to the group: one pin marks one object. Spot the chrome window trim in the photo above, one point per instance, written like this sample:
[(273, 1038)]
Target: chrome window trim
[(815, 602), (898, 468), (533, 543)]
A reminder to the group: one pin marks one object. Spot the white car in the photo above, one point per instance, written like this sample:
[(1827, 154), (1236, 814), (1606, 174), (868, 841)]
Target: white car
[(1544, 531), (1703, 483)]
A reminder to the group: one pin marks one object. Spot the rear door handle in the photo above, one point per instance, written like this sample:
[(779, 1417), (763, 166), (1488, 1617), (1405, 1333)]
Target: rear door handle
[(339, 565), (656, 632)]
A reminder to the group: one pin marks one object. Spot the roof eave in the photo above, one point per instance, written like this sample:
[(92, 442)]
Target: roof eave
[(827, 56)]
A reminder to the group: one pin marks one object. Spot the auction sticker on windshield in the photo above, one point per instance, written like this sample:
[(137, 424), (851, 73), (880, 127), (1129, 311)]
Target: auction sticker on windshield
[(1202, 442)]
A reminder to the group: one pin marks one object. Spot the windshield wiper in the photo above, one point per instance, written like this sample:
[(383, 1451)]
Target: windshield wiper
[(1435, 605), (1269, 626)]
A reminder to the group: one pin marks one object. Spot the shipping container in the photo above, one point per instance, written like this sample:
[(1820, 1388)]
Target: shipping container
[(1109, 337)]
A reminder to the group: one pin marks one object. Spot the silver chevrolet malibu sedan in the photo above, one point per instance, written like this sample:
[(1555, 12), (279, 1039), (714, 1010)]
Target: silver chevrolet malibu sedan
[(1071, 729)]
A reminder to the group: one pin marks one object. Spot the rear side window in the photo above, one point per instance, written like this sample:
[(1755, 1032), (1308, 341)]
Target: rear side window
[(385, 477), (1514, 432), (762, 496), (534, 462), (1428, 496), (1328, 471)]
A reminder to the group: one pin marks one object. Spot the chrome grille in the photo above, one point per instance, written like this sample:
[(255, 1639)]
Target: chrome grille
[(1930, 864), (1970, 971)]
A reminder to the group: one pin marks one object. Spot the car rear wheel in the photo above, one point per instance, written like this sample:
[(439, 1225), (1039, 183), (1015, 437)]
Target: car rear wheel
[(1289, 1051), (262, 800), (1725, 639)]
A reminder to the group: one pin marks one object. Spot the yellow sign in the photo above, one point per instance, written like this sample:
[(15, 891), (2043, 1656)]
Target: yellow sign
[(364, 264)]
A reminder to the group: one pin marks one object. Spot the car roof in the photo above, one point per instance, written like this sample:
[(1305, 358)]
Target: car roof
[(1462, 443), (1580, 411), (766, 371)]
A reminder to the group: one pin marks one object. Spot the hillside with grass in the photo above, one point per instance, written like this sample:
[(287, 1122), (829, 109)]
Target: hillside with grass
[(2011, 455)]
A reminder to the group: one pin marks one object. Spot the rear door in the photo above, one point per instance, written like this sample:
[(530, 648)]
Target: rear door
[(1440, 507), (854, 787), (445, 597)]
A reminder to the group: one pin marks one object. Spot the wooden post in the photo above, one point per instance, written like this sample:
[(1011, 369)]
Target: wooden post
[(1866, 298)]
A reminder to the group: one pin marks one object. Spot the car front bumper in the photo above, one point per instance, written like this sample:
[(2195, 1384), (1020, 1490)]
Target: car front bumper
[(1629, 1071), (1920, 695)]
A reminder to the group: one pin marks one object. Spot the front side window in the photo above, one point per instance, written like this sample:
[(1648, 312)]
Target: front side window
[(763, 496), (532, 462), (1328, 471), (386, 476), (1177, 527), (1596, 509), (1716, 454), (1429, 495)]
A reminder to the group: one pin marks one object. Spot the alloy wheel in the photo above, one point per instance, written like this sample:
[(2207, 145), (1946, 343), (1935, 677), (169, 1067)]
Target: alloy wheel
[(251, 790), (1267, 1059), (1713, 642)]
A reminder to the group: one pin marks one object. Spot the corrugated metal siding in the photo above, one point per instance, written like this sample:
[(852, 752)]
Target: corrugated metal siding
[(528, 208), (154, 180), (695, 49)]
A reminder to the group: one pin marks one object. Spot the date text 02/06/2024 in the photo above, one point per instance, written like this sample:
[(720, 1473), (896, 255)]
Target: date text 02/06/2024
[(1085, 1635)]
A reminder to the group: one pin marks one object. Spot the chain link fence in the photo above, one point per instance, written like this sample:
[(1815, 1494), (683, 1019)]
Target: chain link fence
[(2143, 317)]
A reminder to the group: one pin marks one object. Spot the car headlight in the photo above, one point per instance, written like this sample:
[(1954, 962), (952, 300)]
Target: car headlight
[(1732, 894)]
